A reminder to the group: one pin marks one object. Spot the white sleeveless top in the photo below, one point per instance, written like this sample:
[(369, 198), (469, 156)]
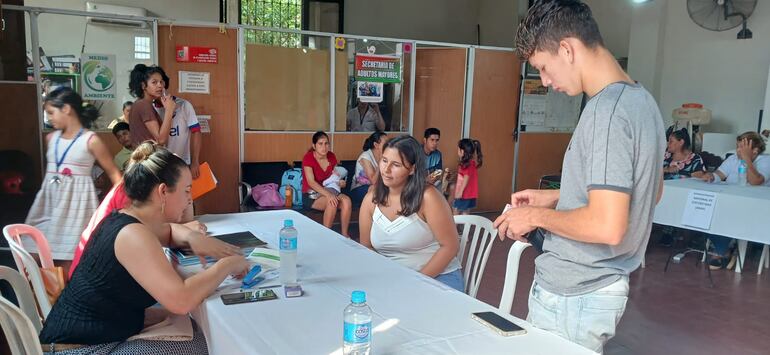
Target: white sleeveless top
[(406, 240)]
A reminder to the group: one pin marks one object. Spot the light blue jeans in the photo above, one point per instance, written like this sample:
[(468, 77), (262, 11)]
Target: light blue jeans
[(589, 319), (453, 279)]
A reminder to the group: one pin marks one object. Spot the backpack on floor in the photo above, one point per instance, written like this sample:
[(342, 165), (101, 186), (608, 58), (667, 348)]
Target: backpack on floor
[(292, 179), (266, 195)]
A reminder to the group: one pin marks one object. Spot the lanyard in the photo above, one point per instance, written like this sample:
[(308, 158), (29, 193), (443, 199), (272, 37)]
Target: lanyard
[(58, 160)]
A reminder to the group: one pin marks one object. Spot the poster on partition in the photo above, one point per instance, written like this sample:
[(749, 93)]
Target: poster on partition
[(194, 82), (188, 54), (97, 76), (376, 68), (369, 92)]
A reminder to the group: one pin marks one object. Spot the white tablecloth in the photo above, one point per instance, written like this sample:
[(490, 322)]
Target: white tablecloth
[(413, 314), (740, 212)]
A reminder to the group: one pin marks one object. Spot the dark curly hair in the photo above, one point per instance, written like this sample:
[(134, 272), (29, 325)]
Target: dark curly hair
[(140, 75)]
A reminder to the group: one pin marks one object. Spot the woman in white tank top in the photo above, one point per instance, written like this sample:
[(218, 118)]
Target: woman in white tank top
[(408, 220)]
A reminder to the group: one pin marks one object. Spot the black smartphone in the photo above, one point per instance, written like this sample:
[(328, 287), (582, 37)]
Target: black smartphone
[(499, 324), (248, 296)]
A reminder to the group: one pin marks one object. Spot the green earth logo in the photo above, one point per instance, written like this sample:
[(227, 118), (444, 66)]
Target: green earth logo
[(97, 76)]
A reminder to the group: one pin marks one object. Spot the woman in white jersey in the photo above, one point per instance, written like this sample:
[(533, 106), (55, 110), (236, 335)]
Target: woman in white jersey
[(408, 220)]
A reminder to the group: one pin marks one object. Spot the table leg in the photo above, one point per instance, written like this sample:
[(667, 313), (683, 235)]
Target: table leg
[(742, 245)]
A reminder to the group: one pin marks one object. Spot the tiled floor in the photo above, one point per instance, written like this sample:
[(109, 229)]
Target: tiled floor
[(676, 312)]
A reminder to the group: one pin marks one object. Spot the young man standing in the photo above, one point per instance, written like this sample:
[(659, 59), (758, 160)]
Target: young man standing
[(599, 222), (432, 154), (123, 135)]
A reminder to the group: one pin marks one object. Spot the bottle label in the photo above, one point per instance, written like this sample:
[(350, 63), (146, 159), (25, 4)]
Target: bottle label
[(358, 333), (287, 243)]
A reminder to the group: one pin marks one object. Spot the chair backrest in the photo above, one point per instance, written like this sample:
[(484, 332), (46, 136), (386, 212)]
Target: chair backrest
[(476, 237), (18, 329), (14, 232), (511, 276), (23, 294), (28, 267)]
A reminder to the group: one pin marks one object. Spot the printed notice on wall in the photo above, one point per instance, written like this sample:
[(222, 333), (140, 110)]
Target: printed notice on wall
[(699, 209), (194, 82), (204, 120)]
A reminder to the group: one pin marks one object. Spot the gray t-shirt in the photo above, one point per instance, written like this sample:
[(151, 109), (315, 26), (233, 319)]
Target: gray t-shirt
[(618, 145)]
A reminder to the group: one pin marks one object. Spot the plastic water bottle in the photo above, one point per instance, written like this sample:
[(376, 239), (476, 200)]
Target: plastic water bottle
[(357, 331), (742, 177), (288, 252)]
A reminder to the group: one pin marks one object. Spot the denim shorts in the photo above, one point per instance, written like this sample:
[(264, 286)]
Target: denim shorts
[(589, 319), (453, 279), (464, 204)]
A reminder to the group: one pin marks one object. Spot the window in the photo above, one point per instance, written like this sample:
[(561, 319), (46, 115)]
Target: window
[(142, 47), (273, 13)]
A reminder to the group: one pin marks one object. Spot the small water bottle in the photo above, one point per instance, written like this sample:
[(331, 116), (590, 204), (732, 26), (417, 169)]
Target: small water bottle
[(357, 331), (742, 174), (287, 240)]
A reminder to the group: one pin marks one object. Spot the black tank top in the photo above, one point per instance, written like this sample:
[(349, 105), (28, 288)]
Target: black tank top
[(102, 303)]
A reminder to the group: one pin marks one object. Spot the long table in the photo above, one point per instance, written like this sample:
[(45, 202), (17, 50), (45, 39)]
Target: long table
[(740, 212), (413, 314)]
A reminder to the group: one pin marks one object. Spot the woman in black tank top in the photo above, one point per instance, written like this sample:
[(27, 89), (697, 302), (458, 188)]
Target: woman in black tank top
[(124, 270)]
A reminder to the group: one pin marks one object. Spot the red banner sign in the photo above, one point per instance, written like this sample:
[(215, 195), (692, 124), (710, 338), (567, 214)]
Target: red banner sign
[(187, 54)]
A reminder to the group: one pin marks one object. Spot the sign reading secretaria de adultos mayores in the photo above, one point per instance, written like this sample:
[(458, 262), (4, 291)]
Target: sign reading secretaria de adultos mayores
[(378, 68)]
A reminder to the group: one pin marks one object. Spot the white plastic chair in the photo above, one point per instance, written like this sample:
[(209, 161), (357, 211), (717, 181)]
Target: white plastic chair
[(480, 243), (23, 294), (26, 264), (21, 329), (511, 276), (764, 260)]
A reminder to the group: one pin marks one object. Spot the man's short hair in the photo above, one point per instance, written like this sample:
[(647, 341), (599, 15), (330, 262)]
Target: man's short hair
[(431, 131), (120, 126), (550, 21)]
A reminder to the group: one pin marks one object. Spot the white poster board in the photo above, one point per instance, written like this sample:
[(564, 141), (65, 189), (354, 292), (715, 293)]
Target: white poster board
[(194, 82), (546, 110), (98, 76)]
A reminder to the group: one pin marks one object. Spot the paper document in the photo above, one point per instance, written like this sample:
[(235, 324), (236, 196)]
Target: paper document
[(699, 209)]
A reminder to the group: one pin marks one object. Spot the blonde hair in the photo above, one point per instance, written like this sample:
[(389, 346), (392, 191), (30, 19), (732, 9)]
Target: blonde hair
[(150, 165)]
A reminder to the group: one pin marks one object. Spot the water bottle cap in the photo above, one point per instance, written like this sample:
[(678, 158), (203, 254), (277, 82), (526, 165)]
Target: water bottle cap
[(288, 223), (358, 297)]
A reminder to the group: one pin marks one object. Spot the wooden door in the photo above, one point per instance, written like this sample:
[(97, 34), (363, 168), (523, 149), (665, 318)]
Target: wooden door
[(494, 113), (220, 148), (439, 97)]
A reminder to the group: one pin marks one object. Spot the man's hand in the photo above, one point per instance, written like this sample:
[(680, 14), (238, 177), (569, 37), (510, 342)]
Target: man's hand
[(515, 223), (535, 198)]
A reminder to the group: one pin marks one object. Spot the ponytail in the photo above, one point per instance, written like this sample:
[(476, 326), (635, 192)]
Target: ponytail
[(85, 112), (373, 138), (150, 165), (479, 155)]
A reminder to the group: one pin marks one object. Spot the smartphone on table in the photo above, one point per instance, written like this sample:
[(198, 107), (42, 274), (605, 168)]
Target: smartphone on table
[(499, 324), (248, 296)]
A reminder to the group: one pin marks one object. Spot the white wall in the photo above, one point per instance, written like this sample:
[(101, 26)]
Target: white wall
[(62, 35), (498, 20), (727, 75), (434, 20), (614, 20)]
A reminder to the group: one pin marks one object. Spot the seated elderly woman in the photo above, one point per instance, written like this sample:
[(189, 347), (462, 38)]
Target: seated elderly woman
[(408, 220), (749, 149), (124, 271)]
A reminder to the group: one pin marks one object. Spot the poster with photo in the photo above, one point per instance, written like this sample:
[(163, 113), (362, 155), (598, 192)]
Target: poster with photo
[(369, 92)]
